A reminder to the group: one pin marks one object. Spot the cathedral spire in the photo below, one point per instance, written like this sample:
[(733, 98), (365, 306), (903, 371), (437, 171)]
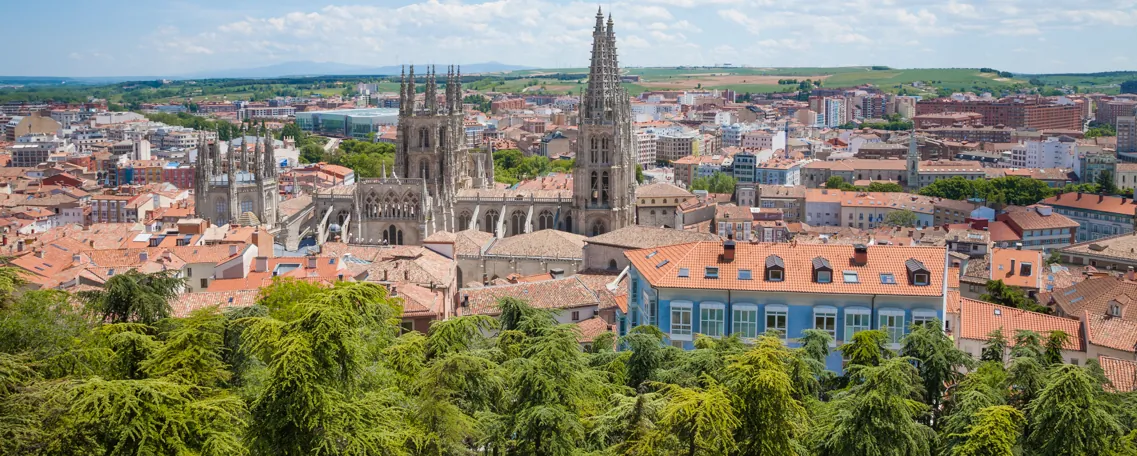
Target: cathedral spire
[(403, 91), (411, 92), (270, 158)]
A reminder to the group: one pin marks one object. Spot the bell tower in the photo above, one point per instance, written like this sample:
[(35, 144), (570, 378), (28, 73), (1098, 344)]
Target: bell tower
[(604, 172)]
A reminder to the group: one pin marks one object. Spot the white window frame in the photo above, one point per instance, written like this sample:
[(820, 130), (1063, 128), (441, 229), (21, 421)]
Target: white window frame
[(681, 331), (736, 324), (774, 310), (916, 279), (894, 332), (923, 316), (712, 308), (770, 275), (830, 314), (852, 328), (819, 272)]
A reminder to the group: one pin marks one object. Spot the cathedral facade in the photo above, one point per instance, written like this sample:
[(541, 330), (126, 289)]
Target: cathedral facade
[(240, 188), (440, 184)]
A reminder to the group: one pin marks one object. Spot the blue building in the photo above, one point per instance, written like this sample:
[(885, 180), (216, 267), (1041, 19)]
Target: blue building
[(721, 288)]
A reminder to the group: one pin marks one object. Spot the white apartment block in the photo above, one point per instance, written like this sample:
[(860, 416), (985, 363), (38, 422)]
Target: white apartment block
[(645, 149), (1060, 152), (761, 139)]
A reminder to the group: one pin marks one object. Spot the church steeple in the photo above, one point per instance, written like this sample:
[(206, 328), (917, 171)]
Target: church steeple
[(913, 161)]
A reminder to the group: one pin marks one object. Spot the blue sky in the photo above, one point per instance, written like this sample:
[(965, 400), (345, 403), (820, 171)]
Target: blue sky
[(141, 38)]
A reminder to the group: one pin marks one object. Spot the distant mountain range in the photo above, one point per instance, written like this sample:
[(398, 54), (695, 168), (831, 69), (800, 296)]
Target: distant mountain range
[(286, 69), (308, 68)]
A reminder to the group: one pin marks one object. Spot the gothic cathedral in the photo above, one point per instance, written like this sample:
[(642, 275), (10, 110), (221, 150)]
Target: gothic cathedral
[(440, 184)]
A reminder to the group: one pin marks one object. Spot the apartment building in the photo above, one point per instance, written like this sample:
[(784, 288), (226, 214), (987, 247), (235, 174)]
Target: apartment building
[(671, 146), (1098, 216), (725, 288), (1022, 112)]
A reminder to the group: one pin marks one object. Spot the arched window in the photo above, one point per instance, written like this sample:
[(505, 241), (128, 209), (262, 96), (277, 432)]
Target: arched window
[(491, 221), (597, 228), (463, 221), (442, 140), (423, 137), (568, 223), (604, 195), (246, 206), (516, 223), (371, 205), (545, 220), (612, 265), (595, 188), (222, 208), (341, 217)]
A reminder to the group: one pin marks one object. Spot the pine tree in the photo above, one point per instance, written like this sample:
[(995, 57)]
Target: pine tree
[(879, 415), (996, 432), (1069, 416)]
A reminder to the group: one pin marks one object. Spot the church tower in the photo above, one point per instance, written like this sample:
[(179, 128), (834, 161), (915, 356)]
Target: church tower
[(913, 162), (604, 173), (431, 142)]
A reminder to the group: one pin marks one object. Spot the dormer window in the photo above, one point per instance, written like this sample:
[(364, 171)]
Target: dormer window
[(1115, 309), (775, 269), (918, 274), (822, 270)]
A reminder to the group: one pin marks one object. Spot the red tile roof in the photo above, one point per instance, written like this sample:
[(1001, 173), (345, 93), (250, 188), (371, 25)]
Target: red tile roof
[(1122, 373), (1111, 332), (977, 320), (662, 267), (564, 293), (1001, 267), (591, 328), (1091, 202)]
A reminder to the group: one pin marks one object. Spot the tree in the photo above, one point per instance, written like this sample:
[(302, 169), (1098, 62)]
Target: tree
[(866, 349), (901, 218), (996, 347), (879, 415), (1129, 86), (703, 420), (996, 432), (639, 174), (838, 182), (1055, 342), (1002, 294), (1105, 183), (887, 187), (715, 183), (1069, 416), (770, 416), (939, 362), (956, 188), (313, 400), (134, 296)]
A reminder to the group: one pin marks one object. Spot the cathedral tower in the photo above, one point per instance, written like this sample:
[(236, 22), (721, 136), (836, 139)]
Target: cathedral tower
[(604, 173)]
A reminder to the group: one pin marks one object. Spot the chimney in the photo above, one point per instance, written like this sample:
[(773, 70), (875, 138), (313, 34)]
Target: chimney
[(728, 251), (1018, 246), (311, 262), (260, 264), (860, 255), (76, 258), (232, 249), (39, 253), (557, 273), (1101, 198), (1012, 266)]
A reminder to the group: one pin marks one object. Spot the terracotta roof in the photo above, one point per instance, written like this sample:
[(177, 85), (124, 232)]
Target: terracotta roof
[(189, 302), (1002, 232), (591, 328), (1111, 332), (1001, 267), (544, 243), (1091, 202), (1032, 220), (1122, 373), (420, 301), (977, 319), (859, 164), (471, 242), (1094, 295), (1121, 247), (566, 293), (953, 300), (662, 267), (642, 237)]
